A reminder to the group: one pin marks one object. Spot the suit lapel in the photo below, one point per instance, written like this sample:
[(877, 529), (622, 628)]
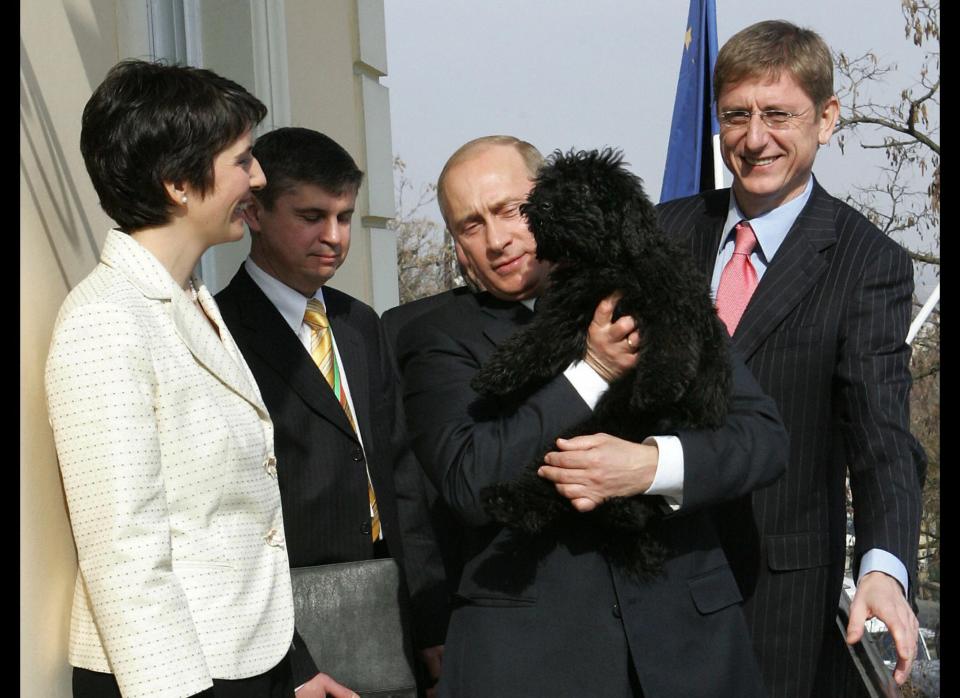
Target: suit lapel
[(150, 278), (500, 319), (708, 230), (707, 242), (213, 353), (796, 267), (266, 333)]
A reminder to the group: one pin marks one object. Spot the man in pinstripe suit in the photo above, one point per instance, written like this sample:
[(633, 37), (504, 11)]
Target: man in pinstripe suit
[(823, 332), (329, 459)]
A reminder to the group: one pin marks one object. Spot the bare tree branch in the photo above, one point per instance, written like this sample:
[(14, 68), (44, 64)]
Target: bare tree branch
[(426, 263), (905, 199), (909, 128)]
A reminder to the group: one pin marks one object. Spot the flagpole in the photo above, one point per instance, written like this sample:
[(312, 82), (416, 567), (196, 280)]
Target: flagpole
[(717, 163), (717, 157)]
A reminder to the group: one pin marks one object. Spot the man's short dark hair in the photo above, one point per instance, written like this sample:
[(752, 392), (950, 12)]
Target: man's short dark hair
[(291, 155), (150, 123)]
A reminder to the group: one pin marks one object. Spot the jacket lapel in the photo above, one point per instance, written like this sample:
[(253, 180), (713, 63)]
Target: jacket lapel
[(708, 230), (501, 319), (266, 333), (217, 355), (796, 267), (147, 275)]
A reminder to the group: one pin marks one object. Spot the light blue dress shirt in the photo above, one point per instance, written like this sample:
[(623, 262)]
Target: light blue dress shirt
[(771, 229)]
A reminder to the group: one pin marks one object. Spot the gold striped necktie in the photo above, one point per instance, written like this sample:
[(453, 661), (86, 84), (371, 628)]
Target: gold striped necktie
[(321, 350)]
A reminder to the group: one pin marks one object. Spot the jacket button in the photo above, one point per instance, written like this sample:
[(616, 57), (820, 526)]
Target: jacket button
[(616, 611), (270, 465), (358, 454), (365, 528)]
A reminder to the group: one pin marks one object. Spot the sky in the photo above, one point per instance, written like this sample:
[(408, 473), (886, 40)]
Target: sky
[(570, 73)]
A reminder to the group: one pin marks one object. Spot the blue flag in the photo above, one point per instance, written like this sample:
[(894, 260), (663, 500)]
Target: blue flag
[(689, 169)]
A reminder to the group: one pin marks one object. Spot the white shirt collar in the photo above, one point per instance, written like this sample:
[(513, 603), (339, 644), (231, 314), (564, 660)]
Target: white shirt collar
[(290, 303)]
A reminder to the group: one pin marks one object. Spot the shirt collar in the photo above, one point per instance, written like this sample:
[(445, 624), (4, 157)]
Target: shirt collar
[(290, 303), (772, 227)]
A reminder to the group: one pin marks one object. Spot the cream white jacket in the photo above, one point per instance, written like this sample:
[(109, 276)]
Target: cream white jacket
[(166, 451)]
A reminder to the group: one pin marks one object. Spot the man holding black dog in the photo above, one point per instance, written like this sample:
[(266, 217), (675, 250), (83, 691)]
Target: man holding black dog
[(561, 621)]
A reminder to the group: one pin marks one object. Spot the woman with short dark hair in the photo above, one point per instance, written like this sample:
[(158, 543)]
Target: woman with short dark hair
[(165, 445)]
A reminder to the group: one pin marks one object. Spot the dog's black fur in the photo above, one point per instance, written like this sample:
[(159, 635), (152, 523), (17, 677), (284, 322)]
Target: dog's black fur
[(591, 217)]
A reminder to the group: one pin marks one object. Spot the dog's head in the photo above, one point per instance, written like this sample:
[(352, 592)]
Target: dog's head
[(587, 208)]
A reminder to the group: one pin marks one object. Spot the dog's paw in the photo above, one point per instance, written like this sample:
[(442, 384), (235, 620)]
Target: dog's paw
[(640, 557), (503, 503), (495, 380), (515, 506), (627, 514)]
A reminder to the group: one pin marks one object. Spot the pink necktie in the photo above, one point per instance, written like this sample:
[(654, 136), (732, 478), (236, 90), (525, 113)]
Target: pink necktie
[(738, 280)]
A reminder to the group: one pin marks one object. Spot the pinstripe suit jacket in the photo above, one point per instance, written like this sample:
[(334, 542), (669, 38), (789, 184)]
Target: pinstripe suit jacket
[(824, 335), (165, 447), (323, 480)]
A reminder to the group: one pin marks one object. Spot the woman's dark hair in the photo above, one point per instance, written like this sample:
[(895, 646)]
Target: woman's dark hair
[(150, 123)]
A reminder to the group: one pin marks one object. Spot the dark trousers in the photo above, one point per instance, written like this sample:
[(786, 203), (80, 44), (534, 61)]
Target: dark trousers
[(276, 683)]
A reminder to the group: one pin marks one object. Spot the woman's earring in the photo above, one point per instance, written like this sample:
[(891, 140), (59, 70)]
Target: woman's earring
[(183, 199)]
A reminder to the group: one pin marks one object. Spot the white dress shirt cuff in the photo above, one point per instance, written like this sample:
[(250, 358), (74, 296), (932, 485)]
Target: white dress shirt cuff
[(878, 560), (668, 482), (587, 382)]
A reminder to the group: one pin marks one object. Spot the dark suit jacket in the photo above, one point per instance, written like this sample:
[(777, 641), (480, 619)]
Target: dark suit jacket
[(824, 336), (396, 318), (320, 462), (547, 620), (446, 527)]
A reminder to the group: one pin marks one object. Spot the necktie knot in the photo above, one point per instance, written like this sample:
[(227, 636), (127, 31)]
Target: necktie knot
[(316, 315), (745, 241)]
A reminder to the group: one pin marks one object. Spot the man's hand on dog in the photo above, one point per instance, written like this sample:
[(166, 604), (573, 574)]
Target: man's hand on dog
[(589, 469), (611, 345)]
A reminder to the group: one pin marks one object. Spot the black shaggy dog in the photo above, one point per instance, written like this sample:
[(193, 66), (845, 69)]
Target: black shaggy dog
[(591, 217)]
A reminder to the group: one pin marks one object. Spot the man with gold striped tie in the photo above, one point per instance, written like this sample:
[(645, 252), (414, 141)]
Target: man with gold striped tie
[(349, 486)]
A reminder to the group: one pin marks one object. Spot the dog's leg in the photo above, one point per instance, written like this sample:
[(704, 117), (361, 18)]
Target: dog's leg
[(564, 315), (515, 367), (529, 504), (545, 348), (666, 364), (640, 555), (706, 404), (625, 539)]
